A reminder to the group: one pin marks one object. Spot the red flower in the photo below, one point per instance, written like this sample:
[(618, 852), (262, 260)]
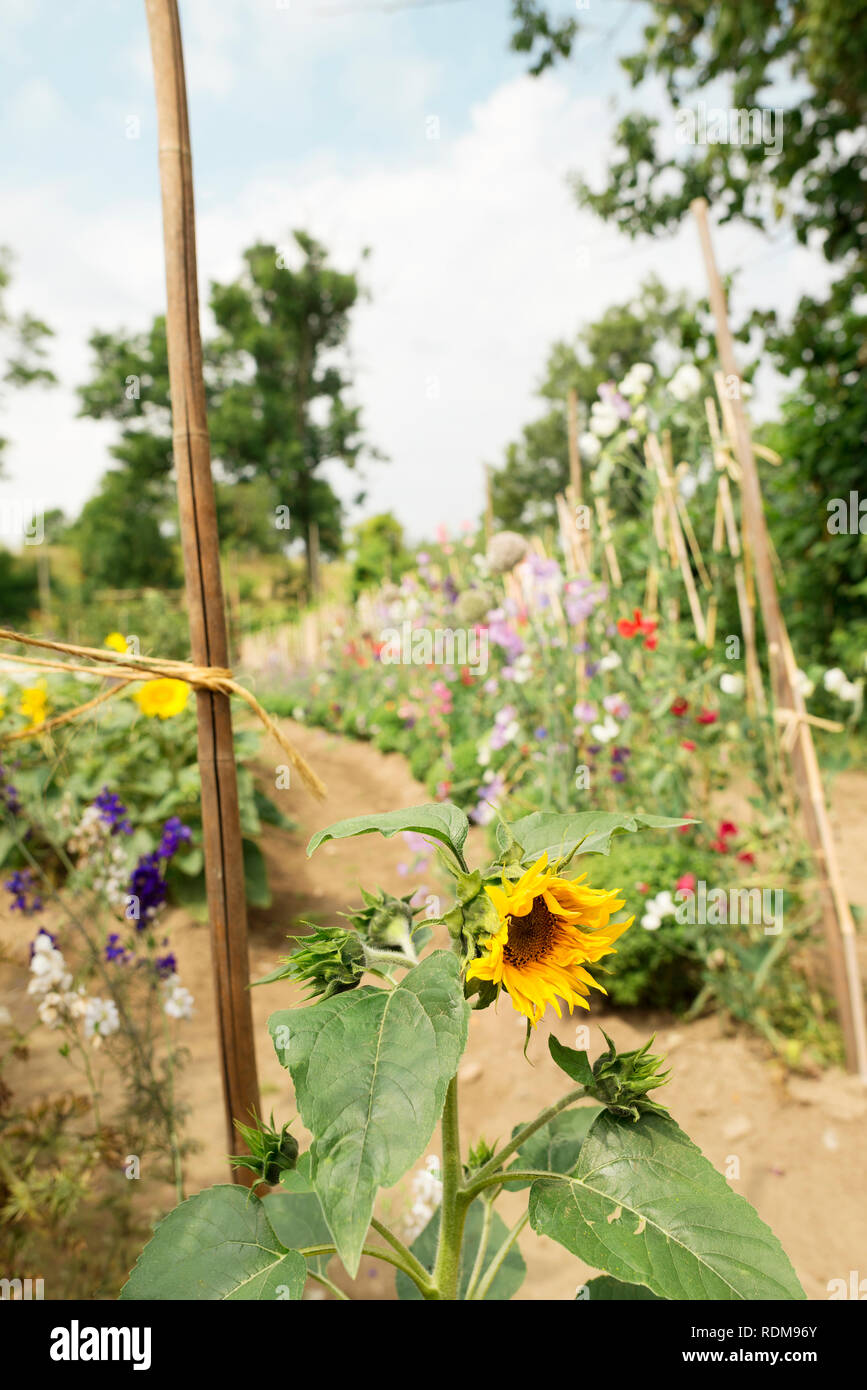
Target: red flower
[(688, 744), (721, 846), (642, 887), (746, 857), (686, 883), (651, 642), (630, 627), (707, 716), (466, 677), (727, 828), (679, 707)]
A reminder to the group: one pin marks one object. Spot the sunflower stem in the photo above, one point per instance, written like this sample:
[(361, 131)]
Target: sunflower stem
[(494, 1267), (477, 1182), (453, 1209), (483, 1244)]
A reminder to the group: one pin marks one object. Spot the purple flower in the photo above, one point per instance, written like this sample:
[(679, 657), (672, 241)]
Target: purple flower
[(502, 635), (114, 949), (112, 812), (540, 733), (20, 885), (174, 832), (619, 755), (166, 965), (585, 711), (149, 887)]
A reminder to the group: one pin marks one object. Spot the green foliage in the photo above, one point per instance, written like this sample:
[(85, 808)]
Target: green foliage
[(440, 820), (507, 1279), (379, 552), (19, 592), (560, 834), (219, 1244), (370, 1070), (644, 1204), (374, 1069)]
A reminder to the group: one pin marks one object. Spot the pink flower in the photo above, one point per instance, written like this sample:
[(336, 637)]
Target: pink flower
[(686, 883), (642, 887), (688, 744)]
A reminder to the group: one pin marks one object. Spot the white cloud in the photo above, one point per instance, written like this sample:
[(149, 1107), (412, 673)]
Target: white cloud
[(480, 261)]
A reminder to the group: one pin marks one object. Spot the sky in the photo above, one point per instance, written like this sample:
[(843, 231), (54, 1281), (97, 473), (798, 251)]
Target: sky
[(413, 131)]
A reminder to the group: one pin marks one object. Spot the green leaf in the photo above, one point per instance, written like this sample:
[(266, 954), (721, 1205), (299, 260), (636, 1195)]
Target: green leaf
[(439, 819), (370, 1069), (298, 1221), (574, 1064), (507, 1280), (217, 1245), (269, 812), (555, 1147), (557, 833), (255, 875), (604, 1289), (646, 1206)]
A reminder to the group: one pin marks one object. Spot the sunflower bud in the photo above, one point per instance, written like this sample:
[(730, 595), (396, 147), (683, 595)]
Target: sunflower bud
[(271, 1151), (384, 921), (621, 1080), (330, 960)]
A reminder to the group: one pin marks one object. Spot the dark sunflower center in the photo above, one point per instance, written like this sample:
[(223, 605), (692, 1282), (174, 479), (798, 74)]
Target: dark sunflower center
[(530, 937)]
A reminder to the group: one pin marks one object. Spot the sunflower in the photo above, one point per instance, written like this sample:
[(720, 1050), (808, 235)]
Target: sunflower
[(551, 927), (163, 697)]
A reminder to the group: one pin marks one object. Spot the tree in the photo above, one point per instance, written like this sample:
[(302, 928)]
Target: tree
[(655, 326), (24, 342), (279, 405), (278, 411), (380, 553)]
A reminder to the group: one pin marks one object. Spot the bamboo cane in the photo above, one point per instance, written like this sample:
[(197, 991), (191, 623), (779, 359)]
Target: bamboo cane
[(666, 483), (836, 914), (221, 825)]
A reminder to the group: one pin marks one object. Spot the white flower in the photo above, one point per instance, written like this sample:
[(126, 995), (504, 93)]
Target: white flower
[(51, 1010), (589, 447), (656, 909), (636, 379), (833, 679), (298, 714), (804, 684), (483, 754), (605, 731), (100, 1018), (610, 661), (604, 420), (179, 1001), (731, 683), (686, 382), (849, 691), (505, 550)]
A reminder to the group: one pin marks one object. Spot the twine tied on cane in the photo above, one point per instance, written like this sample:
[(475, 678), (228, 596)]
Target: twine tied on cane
[(126, 669), (795, 719)]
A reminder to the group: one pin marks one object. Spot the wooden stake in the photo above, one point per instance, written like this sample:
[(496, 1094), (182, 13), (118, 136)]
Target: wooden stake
[(836, 914), (221, 825), (667, 485)]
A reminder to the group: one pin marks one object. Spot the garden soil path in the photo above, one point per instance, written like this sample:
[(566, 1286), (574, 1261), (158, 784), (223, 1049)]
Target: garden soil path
[(799, 1142)]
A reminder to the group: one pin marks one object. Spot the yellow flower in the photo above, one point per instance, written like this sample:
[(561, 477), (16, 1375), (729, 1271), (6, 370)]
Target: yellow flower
[(551, 927), (33, 704), (163, 697), (116, 641)]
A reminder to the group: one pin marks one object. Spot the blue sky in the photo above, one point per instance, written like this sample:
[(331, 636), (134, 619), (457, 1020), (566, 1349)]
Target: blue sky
[(299, 117)]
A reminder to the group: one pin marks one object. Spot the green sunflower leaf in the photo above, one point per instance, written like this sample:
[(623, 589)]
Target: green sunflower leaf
[(556, 1147), (575, 1064), (439, 819), (604, 1289), (509, 1277), (219, 1244), (558, 833), (644, 1205), (370, 1070)]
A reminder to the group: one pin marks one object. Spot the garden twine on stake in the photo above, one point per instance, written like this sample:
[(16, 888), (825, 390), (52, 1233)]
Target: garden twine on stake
[(127, 669)]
